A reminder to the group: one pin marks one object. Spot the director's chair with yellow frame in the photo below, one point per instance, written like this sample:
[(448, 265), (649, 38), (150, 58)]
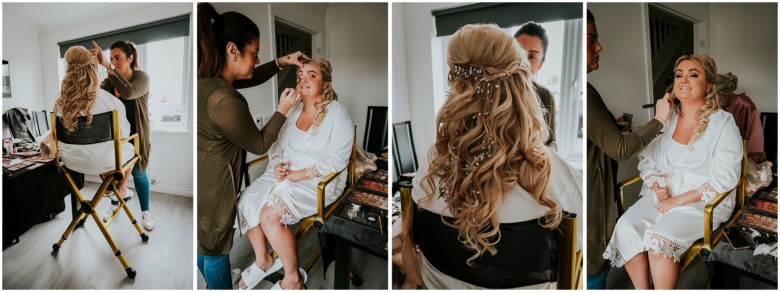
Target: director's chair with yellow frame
[(323, 212), (702, 247), (104, 127)]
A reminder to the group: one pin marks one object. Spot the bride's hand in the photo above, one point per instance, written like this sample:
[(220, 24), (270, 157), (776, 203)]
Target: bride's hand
[(669, 204), (280, 172), (660, 193), (289, 98), (297, 175)]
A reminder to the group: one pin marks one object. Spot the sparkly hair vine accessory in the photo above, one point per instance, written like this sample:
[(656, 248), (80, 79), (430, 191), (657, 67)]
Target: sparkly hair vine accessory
[(486, 153), (83, 64), (485, 83)]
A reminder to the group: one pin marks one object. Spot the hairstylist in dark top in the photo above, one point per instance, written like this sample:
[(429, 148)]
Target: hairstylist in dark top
[(228, 47), (131, 85), (606, 144)]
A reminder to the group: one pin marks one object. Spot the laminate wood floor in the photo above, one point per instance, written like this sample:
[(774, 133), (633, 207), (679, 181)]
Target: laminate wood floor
[(86, 261), (372, 270)]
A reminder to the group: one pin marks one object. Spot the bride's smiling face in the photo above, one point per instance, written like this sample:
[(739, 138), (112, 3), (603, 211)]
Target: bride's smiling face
[(310, 83), (690, 81)]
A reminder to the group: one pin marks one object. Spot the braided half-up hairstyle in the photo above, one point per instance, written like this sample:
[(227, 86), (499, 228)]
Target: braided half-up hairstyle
[(79, 87), (328, 94), (711, 99), (489, 138)]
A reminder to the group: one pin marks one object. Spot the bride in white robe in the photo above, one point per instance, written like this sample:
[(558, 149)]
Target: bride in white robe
[(278, 198), (666, 221)]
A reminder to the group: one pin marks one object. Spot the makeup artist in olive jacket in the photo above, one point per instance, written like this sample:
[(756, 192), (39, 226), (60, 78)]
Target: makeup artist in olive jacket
[(607, 145), (228, 45)]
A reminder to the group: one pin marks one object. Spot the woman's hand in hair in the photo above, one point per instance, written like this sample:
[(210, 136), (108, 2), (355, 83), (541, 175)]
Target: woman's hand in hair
[(98, 52), (293, 59), (289, 98)]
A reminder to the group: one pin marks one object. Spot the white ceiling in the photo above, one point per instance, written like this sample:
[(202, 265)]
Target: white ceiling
[(39, 14)]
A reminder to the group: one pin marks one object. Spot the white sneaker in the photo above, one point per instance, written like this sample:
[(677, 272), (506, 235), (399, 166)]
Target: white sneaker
[(112, 208), (148, 220), (109, 212)]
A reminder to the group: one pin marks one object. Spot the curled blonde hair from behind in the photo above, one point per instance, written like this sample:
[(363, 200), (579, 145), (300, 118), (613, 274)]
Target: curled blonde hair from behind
[(490, 136), (711, 99), (79, 87), (328, 94)]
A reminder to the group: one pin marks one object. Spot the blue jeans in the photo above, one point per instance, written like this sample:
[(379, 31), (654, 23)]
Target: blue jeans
[(216, 271), (598, 281), (141, 181)]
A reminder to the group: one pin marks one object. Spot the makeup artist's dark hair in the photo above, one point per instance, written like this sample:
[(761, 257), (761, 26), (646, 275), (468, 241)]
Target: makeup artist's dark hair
[(215, 31), (129, 49), (590, 16), (535, 30)]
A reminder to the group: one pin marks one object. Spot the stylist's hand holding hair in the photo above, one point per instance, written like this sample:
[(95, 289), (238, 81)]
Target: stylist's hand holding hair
[(663, 107), (290, 97), (98, 52), (293, 59)]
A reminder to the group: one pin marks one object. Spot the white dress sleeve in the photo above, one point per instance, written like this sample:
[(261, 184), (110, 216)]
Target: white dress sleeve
[(341, 138), (648, 168), (725, 167)]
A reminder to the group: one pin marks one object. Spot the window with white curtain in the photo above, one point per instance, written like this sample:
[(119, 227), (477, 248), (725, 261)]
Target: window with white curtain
[(561, 74)]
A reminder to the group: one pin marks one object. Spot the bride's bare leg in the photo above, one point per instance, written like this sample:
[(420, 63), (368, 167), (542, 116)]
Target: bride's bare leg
[(665, 271), (263, 259), (637, 268), (283, 241)]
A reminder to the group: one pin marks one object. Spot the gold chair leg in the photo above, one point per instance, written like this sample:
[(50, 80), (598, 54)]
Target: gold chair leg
[(80, 216), (130, 271), (123, 205)]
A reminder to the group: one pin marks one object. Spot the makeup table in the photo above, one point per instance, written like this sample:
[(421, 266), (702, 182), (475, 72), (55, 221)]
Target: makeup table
[(725, 264)]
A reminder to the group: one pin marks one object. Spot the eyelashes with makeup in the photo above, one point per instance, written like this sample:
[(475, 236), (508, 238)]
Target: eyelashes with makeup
[(692, 76)]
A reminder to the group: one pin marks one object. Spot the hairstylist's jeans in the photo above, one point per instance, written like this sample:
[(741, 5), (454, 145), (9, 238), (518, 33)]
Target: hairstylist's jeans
[(141, 181), (598, 281), (216, 271)]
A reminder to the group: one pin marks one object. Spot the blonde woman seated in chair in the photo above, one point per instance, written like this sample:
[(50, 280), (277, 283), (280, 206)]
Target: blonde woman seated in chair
[(316, 140), (697, 157), (492, 196), (80, 96)]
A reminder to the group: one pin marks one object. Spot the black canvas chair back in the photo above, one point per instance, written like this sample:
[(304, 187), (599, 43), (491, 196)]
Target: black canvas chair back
[(100, 130)]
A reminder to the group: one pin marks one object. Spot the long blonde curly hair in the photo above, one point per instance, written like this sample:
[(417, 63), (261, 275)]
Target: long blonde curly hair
[(711, 98), (328, 94), (490, 136), (79, 87)]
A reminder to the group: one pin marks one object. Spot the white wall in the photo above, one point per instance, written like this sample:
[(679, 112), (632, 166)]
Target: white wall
[(744, 42), (171, 162), (415, 103), (356, 45), (21, 50), (400, 110)]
